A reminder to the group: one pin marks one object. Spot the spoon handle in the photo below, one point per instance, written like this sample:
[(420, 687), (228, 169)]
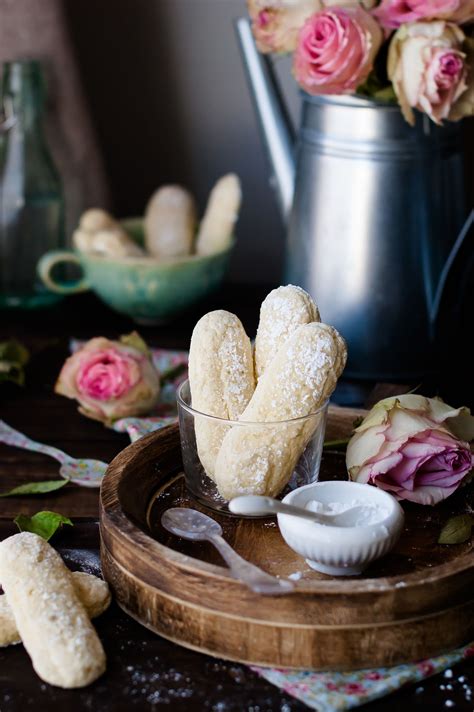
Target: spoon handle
[(10, 436), (251, 575), (261, 505)]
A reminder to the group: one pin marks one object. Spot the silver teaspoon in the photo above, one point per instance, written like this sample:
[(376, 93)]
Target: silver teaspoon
[(258, 505), (193, 525)]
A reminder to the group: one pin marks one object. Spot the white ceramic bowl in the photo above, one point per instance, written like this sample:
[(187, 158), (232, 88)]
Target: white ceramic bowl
[(342, 551)]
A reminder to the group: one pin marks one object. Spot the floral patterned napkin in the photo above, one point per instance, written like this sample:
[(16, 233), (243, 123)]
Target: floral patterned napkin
[(334, 691), (322, 691)]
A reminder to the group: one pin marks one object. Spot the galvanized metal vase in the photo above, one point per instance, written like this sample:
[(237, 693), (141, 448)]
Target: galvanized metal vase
[(375, 211)]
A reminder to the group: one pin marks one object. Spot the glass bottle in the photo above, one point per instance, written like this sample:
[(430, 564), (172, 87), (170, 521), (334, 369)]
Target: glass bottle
[(31, 201)]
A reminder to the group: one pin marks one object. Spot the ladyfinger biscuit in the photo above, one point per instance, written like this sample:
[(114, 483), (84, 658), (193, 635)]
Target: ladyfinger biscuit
[(93, 593), (170, 222), (281, 313), (222, 211), (114, 243), (52, 622), (258, 459), (96, 219), (221, 379)]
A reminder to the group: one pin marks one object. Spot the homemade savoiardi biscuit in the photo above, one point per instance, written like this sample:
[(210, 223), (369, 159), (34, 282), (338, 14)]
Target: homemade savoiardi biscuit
[(259, 459), (222, 211), (170, 222), (281, 313), (52, 622), (93, 592), (221, 379)]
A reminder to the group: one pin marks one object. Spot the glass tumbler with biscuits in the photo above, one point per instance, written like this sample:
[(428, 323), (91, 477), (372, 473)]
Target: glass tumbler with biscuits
[(252, 419)]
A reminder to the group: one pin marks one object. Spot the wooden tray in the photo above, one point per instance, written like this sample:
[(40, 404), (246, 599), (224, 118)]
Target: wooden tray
[(416, 602)]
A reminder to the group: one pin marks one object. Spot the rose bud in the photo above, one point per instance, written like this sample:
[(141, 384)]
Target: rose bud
[(276, 23), (393, 13), (414, 447), (427, 67), (336, 50), (111, 379)]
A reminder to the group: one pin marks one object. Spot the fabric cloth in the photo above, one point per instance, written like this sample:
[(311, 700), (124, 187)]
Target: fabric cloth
[(335, 691)]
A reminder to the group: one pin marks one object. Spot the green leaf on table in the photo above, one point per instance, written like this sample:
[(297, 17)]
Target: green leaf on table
[(35, 488), (135, 341), (45, 524), (457, 530), (13, 358)]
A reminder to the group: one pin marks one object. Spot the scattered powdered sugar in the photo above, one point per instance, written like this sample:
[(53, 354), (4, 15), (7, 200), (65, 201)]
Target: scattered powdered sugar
[(82, 559)]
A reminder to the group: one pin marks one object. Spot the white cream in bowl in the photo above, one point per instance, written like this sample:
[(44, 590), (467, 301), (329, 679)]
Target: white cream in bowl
[(342, 550)]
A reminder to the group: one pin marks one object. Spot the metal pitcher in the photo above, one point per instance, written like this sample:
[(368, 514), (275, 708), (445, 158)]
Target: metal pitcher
[(375, 211)]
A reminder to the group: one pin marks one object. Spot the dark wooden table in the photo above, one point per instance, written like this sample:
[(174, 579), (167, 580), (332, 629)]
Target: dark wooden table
[(144, 671)]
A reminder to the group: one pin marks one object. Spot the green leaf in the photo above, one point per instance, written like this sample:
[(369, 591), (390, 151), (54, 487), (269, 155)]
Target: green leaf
[(45, 524), (336, 444), (173, 373), (14, 352), (385, 94), (135, 341), (11, 372), (13, 357), (35, 488), (457, 530)]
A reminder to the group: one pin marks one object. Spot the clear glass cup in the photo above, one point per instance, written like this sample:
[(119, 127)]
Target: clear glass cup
[(293, 447)]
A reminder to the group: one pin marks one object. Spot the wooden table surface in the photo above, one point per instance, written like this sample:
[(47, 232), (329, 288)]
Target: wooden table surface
[(144, 672)]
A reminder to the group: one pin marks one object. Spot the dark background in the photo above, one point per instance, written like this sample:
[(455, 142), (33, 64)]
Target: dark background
[(146, 92)]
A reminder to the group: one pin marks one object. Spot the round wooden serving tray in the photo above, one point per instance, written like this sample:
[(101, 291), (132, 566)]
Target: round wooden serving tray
[(416, 602)]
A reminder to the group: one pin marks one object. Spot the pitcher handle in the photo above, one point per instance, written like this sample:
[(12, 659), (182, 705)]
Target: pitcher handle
[(46, 265), (453, 258)]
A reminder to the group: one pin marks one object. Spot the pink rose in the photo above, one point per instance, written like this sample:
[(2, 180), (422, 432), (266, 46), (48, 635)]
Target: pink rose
[(393, 13), (464, 13), (464, 106), (276, 23), (414, 447), (111, 379), (428, 68), (335, 50)]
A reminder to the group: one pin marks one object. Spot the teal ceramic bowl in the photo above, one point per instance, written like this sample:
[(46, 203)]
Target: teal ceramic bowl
[(149, 291)]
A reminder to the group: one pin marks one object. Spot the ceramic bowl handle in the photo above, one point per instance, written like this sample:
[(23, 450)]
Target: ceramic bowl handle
[(45, 268)]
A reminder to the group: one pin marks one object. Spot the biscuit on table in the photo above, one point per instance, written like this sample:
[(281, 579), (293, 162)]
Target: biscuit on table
[(260, 459), (282, 312), (221, 379), (51, 620), (93, 592)]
